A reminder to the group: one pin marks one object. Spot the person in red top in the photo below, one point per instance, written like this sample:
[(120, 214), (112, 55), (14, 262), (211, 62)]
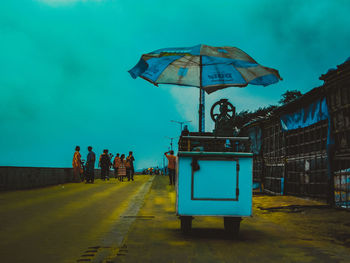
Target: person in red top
[(171, 166), (76, 165)]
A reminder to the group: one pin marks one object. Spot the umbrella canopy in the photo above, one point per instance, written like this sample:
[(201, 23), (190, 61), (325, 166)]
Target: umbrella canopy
[(206, 67)]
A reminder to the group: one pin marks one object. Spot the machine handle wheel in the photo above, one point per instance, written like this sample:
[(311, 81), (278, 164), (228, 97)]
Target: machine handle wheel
[(227, 110)]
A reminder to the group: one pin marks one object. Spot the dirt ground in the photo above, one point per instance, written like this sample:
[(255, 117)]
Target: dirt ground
[(282, 229)]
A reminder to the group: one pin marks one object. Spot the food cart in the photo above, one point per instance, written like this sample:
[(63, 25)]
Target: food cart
[(214, 178)]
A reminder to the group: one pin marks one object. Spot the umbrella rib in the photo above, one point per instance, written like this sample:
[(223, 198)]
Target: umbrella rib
[(184, 63), (145, 78), (240, 74)]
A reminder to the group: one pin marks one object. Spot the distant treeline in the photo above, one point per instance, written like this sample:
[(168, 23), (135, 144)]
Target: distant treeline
[(246, 116)]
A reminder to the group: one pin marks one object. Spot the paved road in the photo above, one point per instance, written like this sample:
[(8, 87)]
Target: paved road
[(104, 223), (63, 223)]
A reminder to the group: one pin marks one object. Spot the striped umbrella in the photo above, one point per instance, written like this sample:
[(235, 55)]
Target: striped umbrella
[(206, 67)]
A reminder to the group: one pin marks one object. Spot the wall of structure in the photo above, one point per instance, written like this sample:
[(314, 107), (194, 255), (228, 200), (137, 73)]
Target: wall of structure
[(337, 85), (313, 160), (18, 178)]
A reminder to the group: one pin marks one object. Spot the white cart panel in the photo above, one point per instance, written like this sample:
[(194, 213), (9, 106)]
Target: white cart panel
[(221, 187)]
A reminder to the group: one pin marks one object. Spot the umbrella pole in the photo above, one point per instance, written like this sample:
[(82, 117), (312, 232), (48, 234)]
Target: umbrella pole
[(201, 110), (201, 125)]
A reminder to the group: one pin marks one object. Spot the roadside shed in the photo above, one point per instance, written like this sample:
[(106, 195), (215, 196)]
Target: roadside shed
[(305, 144)]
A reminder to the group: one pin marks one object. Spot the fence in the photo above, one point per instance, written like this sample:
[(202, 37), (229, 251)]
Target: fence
[(304, 161), (273, 152)]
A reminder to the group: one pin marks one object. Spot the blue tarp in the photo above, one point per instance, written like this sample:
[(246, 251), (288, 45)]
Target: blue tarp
[(306, 116)]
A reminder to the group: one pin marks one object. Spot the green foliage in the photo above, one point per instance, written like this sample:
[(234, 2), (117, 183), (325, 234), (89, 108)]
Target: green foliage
[(289, 96), (246, 116)]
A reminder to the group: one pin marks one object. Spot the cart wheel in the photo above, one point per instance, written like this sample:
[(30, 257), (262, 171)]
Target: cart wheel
[(186, 224), (232, 225)]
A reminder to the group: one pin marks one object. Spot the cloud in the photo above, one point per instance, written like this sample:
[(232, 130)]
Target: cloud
[(63, 67), (65, 2), (186, 103), (310, 29)]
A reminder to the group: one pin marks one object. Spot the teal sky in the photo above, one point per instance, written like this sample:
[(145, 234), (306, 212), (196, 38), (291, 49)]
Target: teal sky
[(64, 63)]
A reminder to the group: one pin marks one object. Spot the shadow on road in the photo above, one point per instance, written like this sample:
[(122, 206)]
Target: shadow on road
[(245, 235)]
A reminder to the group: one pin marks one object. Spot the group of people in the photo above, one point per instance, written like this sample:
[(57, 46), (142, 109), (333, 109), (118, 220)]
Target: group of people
[(83, 172), (152, 171), (123, 167)]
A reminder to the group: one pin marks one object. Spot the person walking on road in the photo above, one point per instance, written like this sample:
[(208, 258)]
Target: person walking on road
[(76, 165), (90, 166), (105, 164), (122, 168), (130, 166), (116, 163), (171, 166)]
